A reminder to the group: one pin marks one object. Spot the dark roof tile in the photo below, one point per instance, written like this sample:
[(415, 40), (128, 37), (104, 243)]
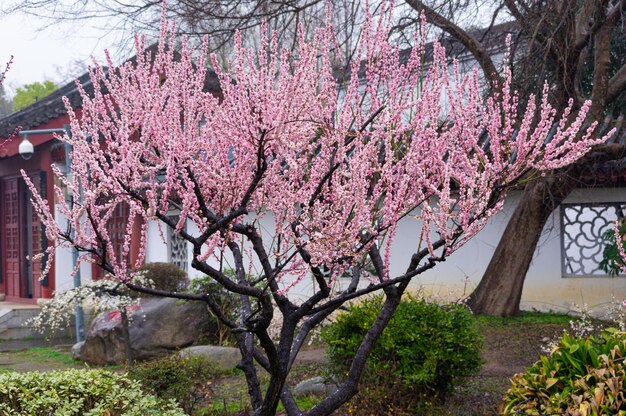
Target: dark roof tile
[(52, 106)]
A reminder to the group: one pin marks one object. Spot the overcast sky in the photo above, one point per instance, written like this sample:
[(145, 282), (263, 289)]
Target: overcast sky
[(48, 53), (60, 52)]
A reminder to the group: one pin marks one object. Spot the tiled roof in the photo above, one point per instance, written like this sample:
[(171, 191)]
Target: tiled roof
[(46, 109), (52, 106)]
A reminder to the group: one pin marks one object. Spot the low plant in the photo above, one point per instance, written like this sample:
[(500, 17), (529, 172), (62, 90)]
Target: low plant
[(227, 302), (581, 377), (165, 276), (425, 350), (78, 392), (184, 380), (612, 262), (589, 322)]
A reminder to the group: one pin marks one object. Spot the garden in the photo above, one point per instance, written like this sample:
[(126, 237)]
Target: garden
[(431, 360), (310, 189)]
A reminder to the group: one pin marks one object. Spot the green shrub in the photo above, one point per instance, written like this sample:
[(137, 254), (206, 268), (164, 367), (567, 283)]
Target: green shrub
[(612, 262), (582, 376), (166, 276), (424, 351), (228, 302), (78, 392), (182, 380)]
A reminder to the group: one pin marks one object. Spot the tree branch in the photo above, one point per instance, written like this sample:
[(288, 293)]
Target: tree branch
[(481, 55), (617, 85), (602, 65), (350, 386)]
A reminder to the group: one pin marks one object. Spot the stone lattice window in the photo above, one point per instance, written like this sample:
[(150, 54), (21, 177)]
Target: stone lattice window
[(582, 241), (177, 246)]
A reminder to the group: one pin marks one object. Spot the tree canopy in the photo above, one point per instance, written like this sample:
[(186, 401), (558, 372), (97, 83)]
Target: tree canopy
[(31, 93), (334, 167)]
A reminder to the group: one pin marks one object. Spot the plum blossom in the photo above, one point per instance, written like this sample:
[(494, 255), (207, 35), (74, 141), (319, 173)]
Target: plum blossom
[(335, 160)]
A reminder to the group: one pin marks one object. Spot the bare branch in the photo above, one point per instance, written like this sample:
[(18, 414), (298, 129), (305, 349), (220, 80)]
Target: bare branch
[(481, 55)]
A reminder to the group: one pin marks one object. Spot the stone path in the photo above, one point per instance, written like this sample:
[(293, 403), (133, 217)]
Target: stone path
[(312, 355)]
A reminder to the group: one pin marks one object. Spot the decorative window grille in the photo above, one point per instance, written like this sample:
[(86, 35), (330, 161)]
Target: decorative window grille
[(582, 241), (177, 246)]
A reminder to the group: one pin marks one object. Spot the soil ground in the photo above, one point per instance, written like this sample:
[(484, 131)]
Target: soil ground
[(510, 347)]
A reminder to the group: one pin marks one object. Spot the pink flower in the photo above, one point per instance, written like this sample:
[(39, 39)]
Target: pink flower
[(335, 174)]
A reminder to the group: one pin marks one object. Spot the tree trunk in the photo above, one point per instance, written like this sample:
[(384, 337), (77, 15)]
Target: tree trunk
[(500, 290)]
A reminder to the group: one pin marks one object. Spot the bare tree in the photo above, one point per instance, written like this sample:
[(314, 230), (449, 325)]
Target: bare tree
[(6, 104), (578, 48), (219, 19), (70, 71)]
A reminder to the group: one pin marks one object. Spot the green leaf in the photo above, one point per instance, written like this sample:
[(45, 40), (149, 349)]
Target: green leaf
[(551, 382)]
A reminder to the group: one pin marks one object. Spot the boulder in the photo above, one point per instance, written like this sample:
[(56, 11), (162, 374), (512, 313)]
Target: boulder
[(225, 357), (76, 348), (314, 387), (158, 327)]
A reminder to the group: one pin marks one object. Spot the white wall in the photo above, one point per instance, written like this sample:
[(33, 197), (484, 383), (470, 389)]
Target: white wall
[(63, 263), (544, 289), (157, 250)]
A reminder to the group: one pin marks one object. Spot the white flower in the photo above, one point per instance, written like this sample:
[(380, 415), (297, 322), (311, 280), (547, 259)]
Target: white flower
[(99, 296)]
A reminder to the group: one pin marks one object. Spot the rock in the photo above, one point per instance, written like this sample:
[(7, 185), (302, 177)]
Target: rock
[(76, 348), (314, 387), (158, 327), (226, 357)]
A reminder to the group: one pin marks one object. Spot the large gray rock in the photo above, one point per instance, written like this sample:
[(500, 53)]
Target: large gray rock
[(76, 349), (226, 357), (159, 327), (314, 387)]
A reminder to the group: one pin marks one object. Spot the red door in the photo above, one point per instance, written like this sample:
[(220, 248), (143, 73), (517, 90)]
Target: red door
[(31, 287), (11, 246), (22, 239), (116, 227)]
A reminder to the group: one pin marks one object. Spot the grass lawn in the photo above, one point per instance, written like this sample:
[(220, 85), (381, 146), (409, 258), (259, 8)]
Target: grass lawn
[(38, 358), (42, 359)]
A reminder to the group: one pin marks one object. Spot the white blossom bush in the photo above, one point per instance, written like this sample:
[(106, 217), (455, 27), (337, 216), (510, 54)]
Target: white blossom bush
[(106, 295), (590, 322)]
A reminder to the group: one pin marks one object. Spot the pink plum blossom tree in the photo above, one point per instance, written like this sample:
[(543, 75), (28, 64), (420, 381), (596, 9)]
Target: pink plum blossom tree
[(334, 163), (3, 74)]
